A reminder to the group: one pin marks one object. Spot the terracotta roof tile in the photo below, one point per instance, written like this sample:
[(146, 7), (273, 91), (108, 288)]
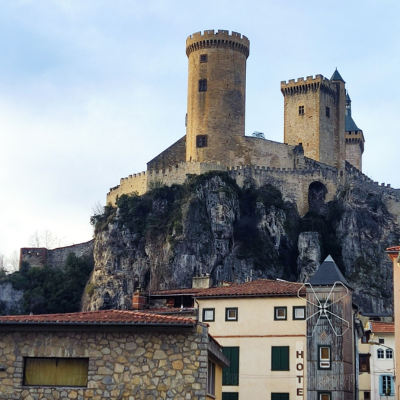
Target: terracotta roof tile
[(110, 317), (394, 248), (382, 327), (261, 287)]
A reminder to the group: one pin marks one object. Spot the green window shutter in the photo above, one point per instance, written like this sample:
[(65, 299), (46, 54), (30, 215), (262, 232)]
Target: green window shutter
[(230, 396), (279, 396), (280, 358), (230, 375)]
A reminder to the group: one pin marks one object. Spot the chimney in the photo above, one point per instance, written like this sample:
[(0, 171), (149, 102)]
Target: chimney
[(138, 300), (201, 282)]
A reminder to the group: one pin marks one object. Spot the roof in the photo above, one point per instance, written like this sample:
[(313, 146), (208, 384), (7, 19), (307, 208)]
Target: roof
[(260, 287), (381, 327), (393, 249), (257, 288), (104, 317), (350, 125), (327, 274), (336, 76)]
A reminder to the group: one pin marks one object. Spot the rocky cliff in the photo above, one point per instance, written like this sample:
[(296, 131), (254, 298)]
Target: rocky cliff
[(209, 225)]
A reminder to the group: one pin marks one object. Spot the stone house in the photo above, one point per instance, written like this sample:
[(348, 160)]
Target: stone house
[(108, 354)]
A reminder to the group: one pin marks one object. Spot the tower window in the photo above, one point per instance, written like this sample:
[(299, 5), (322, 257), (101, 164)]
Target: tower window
[(201, 141), (203, 85), (301, 110), (328, 112), (203, 58)]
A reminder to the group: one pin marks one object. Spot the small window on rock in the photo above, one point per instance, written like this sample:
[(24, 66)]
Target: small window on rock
[(201, 141), (301, 110), (328, 112), (203, 58), (203, 85)]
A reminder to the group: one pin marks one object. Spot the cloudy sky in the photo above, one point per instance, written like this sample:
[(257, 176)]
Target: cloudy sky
[(90, 90)]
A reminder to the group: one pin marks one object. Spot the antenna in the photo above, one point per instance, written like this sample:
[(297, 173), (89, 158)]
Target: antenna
[(323, 306)]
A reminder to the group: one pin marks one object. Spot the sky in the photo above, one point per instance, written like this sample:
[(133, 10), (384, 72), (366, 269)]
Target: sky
[(91, 90)]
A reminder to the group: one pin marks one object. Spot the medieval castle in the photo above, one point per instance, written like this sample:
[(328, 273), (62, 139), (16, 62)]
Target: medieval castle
[(322, 146)]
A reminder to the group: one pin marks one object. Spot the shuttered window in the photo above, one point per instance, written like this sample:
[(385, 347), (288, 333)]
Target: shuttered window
[(230, 396), (279, 396), (386, 386), (230, 375), (280, 358), (56, 371)]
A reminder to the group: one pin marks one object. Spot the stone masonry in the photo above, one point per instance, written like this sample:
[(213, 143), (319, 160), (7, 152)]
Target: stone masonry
[(124, 362)]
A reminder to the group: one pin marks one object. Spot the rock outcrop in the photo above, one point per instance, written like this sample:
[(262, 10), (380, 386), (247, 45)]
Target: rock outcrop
[(209, 225)]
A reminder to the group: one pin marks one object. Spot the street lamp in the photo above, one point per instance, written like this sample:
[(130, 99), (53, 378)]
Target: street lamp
[(375, 343)]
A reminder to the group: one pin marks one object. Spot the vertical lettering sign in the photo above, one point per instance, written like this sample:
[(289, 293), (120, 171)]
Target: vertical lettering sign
[(299, 370)]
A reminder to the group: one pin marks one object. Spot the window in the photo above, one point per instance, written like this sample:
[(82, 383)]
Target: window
[(367, 395), (380, 353), (389, 353), (211, 378), (386, 385), (203, 58), (208, 314), (381, 341), (299, 312), (56, 371), (230, 375), (324, 357), (365, 338), (203, 85), (364, 362), (231, 314), (280, 313), (301, 110), (280, 358), (328, 112), (201, 141), (279, 396), (324, 396), (230, 396)]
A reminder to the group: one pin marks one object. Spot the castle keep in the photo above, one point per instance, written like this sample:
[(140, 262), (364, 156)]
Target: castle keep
[(322, 144)]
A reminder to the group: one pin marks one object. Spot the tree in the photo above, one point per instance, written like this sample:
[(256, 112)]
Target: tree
[(13, 261), (45, 239)]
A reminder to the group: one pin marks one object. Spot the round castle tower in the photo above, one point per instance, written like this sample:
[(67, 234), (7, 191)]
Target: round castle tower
[(216, 95)]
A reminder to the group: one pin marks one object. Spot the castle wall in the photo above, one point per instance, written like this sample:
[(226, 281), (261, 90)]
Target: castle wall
[(216, 112), (261, 152), (174, 155), (133, 183)]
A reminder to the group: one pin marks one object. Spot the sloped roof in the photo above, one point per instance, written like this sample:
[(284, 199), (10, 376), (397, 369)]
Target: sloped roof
[(350, 125), (394, 248), (260, 287), (336, 76), (327, 274), (104, 317), (381, 327)]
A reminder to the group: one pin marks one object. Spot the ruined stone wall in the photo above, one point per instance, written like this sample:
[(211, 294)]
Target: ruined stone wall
[(57, 257), (172, 156), (123, 364)]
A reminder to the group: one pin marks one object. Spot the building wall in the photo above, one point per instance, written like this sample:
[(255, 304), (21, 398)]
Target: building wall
[(124, 363), (172, 156), (354, 149), (255, 336), (218, 112)]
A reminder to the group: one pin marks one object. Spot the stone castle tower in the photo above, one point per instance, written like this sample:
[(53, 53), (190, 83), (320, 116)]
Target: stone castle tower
[(314, 115), (216, 95)]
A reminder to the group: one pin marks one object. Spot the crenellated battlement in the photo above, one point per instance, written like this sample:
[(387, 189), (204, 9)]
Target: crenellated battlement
[(221, 38), (310, 83)]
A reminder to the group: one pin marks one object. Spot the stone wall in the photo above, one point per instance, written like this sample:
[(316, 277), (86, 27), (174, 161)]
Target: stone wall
[(127, 363), (172, 156), (38, 257)]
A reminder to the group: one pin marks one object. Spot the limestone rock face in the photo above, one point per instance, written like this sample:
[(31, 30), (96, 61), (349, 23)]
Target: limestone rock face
[(209, 225), (9, 298)]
